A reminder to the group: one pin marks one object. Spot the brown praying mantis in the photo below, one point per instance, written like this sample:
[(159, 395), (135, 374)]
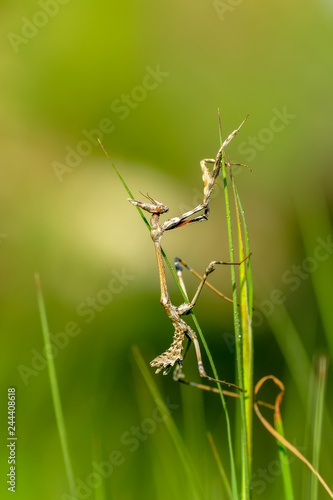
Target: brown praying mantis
[(173, 356)]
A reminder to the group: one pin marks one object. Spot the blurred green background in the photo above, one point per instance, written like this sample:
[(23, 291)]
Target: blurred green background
[(148, 78)]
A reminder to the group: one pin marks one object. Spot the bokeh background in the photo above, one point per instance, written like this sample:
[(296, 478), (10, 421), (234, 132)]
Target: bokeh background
[(148, 78)]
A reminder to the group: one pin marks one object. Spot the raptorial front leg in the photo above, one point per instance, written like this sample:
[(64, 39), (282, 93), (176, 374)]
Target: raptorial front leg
[(183, 219)]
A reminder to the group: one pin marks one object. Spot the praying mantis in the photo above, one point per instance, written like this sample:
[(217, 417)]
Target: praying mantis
[(173, 356)]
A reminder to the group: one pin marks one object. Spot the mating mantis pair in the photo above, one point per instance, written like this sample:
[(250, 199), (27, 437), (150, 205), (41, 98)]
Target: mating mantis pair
[(173, 356)]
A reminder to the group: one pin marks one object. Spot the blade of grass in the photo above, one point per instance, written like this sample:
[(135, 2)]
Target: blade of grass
[(170, 425), (55, 388), (243, 327), (194, 423), (218, 460), (97, 458), (167, 463), (124, 184), (239, 346), (247, 252), (230, 445), (318, 421), (246, 299), (284, 461)]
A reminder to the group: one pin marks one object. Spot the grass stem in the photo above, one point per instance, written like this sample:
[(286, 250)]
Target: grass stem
[(55, 388)]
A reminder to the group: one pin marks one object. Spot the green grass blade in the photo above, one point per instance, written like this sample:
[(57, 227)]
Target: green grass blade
[(55, 389), (249, 281), (246, 304), (230, 445), (125, 185), (322, 367), (170, 425), (96, 455), (284, 460), (218, 460), (239, 344)]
